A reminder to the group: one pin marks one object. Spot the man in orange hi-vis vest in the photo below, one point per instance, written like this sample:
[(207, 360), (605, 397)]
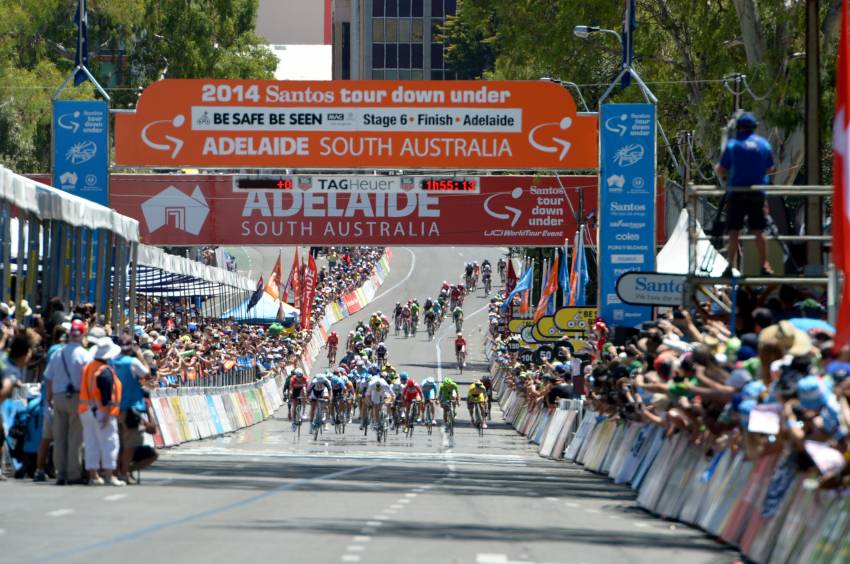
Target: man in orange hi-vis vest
[(100, 402)]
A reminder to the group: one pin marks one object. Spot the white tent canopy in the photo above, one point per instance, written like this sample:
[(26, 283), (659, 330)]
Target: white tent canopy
[(157, 258), (48, 203), (673, 258)]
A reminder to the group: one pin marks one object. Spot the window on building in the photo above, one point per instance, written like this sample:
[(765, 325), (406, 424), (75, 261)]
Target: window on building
[(436, 75), (450, 7), (346, 51), (404, 55), (391, 74), (404, 74), (392, 56), (416, 30), (378, 30), (378, 55), (392, 8), (416, 74), (403, 31), (392, 31), (416, 56), (404, 8), (437, 8), (417, 10), (436, 55), (377, 74), (436, 29), (377, 8)]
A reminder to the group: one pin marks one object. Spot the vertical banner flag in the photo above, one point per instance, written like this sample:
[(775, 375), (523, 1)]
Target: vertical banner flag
[(292, 284), (564, 275), (628, 40), (309, 292), (255, 297), (579, 277), (82, 57), (81, 148), (510, 283), (522, 285), (273, 285), (841, 174), (626, 205), (548, 290)]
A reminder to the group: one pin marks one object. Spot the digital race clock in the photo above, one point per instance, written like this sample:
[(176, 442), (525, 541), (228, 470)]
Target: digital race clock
[(449, 184)]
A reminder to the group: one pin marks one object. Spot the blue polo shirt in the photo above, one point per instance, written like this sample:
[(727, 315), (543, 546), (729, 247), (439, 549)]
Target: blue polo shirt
[(748, 157), (131, 389)]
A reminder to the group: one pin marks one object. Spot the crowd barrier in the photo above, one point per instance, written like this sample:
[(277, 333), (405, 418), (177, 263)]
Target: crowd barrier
[(766, 508), (192, 413)]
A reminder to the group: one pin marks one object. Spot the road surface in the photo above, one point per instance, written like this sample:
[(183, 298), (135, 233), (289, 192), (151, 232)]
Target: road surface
[(259, 495)]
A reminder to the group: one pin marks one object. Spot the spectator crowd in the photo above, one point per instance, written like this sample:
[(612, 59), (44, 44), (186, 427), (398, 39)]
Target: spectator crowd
[(85, 384), (776, 386)]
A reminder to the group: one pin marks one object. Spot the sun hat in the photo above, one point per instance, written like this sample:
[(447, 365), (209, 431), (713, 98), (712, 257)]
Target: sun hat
[(811, 393), (106, 349), (786, 338)]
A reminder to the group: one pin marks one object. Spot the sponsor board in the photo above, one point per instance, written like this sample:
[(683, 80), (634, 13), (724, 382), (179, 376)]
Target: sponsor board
[(81, 148), (468, 125), (211, 209), (626, 205), (651, 288)]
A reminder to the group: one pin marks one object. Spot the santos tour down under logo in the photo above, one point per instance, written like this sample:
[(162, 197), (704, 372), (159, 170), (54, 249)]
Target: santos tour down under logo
[(173, 207)]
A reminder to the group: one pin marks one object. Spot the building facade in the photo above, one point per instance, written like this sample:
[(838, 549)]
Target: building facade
[(390, 39)]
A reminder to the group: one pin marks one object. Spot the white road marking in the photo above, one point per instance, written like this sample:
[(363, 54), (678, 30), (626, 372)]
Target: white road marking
[(361, 538), (571, 504), (640, 525), (115, 497), (374, 523), (403, 280), (355, 548), (351, 558), (410, 495), (404, 501), (2, 531), (551, 499), (614, 517), (396, 507), (491, 558), (390, 511), (594, 511), (208, 473), (60, 512), (381, 517)]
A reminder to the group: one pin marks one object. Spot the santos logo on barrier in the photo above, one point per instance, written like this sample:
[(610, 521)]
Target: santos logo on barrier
[(493, 215)]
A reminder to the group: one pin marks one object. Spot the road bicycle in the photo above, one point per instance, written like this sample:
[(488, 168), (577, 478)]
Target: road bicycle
[(431, 326), (461, 359), (339, 416), (429, 415), (296, 420), (383, 424), (414, 322), (488, 284), (331, 355), (412, 414), (468, 281), (406, 327), (319, 418), (449, 415), (502, 272), (459, 324), (478, 417)]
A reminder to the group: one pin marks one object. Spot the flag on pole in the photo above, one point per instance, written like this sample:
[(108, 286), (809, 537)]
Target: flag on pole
[(579, 277), (564, 275), (510, 277), (521, 286), (82, 57), (292, 285), (548, 291), (629, 27), (273, 285), (255, 297), (310, 276), (841, 174)]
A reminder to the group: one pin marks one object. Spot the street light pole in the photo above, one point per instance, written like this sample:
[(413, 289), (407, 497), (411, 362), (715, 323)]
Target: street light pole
[(814, 206)]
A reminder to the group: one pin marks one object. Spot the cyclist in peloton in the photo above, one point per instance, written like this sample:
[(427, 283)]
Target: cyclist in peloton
[(320, 388), (448, 393), (477, 395), (457, 316), (405, 313), (460, 343), (410, 393), (332, 344), (378, 392), (381, 353), (297, 384), (397, 314), (503, 266), (429, 396), (431, 316), (429, 303), (415, 309), (338, 389), (375, 322)]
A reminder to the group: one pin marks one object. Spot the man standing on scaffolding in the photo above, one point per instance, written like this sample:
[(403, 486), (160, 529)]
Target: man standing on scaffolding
[(747, 160)]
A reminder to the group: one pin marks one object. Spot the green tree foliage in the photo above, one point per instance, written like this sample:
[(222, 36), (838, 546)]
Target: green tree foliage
[(683, 49), (131, 44)]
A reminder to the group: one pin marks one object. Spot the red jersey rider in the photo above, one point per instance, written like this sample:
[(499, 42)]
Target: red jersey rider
[(460, 343)]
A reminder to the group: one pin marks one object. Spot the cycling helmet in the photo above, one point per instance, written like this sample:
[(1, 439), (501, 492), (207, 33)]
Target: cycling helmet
[(333, 333), (459, 334), (298, 372), (448, 381), (374, 370), (411, 382), (403, 377), (429, 380), (398, 303)]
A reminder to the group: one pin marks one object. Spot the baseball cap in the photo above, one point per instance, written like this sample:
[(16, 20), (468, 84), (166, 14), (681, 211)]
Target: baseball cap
[(811, 393), (747, 119), (78, 327)]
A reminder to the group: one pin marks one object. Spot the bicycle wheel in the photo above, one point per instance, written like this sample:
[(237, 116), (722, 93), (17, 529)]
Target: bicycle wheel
[(297, 419), (317, 421), (479, 420), (411, 420), (429, 417)]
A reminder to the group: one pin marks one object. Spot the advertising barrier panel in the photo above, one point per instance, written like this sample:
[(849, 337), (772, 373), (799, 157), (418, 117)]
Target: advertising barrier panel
[(374, 124), (210, 209)]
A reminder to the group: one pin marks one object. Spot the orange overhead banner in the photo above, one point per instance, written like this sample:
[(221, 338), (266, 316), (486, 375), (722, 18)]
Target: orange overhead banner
[(375, 124)]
